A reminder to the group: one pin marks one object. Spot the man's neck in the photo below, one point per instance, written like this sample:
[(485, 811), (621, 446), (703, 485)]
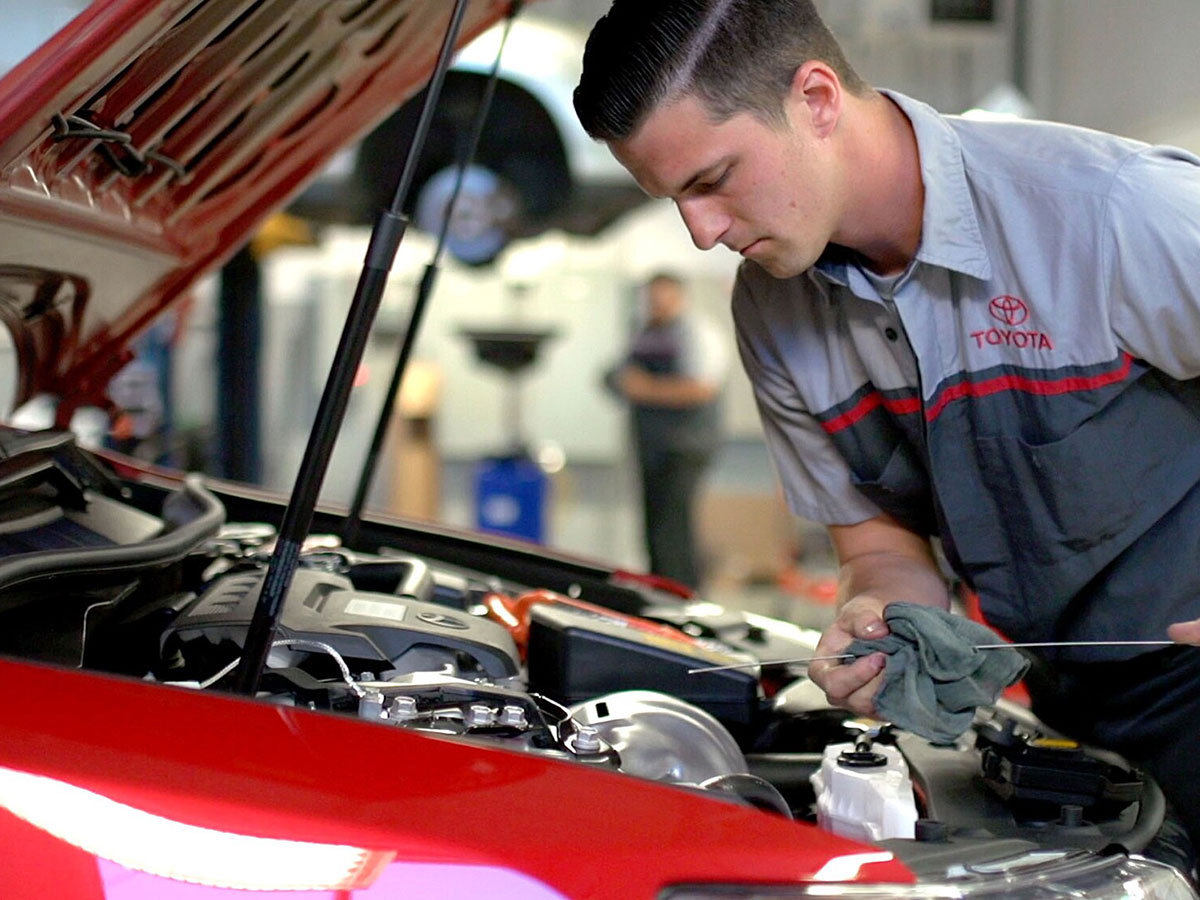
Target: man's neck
[(887, 196)]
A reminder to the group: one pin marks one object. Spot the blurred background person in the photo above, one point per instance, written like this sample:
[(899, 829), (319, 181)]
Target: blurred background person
[(672, 377)]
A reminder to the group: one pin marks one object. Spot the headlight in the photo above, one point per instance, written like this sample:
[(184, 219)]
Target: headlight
[(1034, 876)]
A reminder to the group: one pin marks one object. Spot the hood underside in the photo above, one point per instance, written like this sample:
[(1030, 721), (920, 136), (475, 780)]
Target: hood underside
[(143, 143)]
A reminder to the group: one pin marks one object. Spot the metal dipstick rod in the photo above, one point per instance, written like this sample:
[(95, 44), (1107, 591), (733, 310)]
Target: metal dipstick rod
[(297, 518), (809, 659), (353, 521)]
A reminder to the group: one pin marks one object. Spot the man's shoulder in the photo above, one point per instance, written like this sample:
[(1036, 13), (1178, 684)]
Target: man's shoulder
[(1056, 155), (765, 307)]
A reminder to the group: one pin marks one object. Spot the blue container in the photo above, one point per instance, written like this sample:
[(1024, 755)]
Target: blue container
[(510, 497)]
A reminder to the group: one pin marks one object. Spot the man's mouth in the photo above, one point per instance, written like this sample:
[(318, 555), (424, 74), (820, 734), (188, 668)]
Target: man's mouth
[(752, 246)]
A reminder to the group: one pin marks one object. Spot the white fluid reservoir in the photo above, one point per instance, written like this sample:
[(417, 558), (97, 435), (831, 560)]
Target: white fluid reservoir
[(867, 795)]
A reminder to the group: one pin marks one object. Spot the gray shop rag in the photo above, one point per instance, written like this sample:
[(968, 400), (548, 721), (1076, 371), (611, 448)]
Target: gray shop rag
[(934, 677)]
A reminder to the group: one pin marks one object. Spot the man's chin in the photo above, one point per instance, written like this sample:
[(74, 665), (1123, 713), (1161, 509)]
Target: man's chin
[(779, 268)]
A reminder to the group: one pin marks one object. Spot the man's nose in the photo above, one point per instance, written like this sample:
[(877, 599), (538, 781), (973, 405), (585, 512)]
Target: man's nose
[(704, 220)]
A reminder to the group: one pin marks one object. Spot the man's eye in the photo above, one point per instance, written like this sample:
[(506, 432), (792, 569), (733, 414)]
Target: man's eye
[(708, 187)]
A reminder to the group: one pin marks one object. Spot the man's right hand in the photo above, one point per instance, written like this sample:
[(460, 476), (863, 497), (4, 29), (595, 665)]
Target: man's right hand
[(881, 562), (852, 684)]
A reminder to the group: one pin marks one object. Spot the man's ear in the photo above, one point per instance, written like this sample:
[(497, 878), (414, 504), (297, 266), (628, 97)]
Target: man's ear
[(816, 96)]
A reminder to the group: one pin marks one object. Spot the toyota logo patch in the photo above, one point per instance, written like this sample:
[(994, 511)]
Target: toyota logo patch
[(1010, 310)]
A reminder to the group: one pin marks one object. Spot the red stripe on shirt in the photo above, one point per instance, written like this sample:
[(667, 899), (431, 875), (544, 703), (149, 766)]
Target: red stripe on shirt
[(1044, 387), (900, 405)]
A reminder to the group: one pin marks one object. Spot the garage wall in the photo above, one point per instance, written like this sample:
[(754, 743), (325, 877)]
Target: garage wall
[(1117, 65)]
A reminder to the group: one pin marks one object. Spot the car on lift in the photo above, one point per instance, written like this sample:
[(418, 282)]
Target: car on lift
[(426, 712), (535, 169)]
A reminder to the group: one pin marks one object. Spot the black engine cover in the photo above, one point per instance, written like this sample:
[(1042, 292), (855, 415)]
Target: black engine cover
[(326, 607)]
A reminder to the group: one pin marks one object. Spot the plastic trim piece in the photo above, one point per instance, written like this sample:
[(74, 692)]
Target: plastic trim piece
[(169, 547)]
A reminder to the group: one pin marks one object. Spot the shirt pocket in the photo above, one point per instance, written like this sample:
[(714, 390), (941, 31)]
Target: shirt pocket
[(1056, 499), (1068, 507)]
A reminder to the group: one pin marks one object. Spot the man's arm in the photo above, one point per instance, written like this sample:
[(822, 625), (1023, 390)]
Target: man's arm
[(881, 562), (648, 389)]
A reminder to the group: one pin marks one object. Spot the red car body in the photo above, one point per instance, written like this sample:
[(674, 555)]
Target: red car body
[(249, 768)]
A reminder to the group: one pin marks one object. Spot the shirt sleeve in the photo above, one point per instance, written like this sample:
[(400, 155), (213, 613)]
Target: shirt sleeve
[(1151, 258), (816, 480)]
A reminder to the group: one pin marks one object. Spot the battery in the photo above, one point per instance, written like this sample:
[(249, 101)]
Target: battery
[(576, 654)]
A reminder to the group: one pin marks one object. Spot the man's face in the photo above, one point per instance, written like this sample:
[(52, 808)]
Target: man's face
[(760, 190), (664, 300)]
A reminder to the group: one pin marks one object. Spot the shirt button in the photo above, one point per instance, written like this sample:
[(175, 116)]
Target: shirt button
[(891, 333)]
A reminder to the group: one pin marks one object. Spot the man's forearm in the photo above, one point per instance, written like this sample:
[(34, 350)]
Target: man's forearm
[(892, 577), (881, 559), (640, 386)]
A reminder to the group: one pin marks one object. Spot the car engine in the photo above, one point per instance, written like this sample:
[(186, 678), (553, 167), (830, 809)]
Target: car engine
[(149, 580)]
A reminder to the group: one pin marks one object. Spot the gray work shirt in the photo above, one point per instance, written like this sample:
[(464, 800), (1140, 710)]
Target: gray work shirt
[(1024, 392)]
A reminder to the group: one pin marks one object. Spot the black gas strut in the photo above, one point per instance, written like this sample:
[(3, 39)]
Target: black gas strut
[(297, 518), (353, 521)]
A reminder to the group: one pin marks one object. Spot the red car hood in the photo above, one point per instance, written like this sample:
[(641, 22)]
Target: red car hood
[(253, 769), (143, 143)]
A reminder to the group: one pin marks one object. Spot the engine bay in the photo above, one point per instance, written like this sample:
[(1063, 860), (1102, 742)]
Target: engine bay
[(152, 581)]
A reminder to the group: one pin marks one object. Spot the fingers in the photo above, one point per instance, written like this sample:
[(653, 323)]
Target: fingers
[(851, 685), (1185, 632), (862, 618)]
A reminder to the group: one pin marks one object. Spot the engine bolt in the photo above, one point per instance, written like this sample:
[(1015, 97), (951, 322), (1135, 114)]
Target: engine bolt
[(513, 716), (403, 708), (587, 740), (480, 714)]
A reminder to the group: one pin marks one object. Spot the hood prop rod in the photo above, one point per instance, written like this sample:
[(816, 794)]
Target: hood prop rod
[(353, 522), (385, 240)]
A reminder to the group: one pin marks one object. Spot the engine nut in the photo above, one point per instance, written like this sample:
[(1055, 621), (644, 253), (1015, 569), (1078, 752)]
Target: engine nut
[(403, 708), (479, 715), (587, 740), (514, 717)]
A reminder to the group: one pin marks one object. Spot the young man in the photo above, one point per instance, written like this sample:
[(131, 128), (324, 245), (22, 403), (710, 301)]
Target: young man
[(672, 377), (982, 333)]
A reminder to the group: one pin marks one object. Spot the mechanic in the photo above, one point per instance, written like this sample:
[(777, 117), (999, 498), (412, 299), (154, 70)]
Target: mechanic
[(982, 333), (672, 377)]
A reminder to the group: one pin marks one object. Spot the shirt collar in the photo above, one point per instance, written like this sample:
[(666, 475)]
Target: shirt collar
[(950, 234)]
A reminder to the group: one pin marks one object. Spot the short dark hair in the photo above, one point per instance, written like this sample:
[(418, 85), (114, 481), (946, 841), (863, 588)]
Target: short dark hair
[(735, 55)]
